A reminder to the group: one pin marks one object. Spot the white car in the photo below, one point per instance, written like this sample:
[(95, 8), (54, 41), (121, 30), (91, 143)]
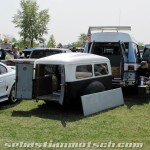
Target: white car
[(7, 83)]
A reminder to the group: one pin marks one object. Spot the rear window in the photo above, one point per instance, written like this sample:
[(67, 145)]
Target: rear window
[(100, 69), (106, 48)]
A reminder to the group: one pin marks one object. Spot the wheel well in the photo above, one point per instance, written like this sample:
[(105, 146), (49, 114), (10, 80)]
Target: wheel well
[(94, 87)]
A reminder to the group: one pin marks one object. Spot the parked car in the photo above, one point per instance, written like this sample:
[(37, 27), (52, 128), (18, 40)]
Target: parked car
[(63, 78), (36, 53), (146, 54), (120, 48), (43, 52), (7, 83), (27, 52)]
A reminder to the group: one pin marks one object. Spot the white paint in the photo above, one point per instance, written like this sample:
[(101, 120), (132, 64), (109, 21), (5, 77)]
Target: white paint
[(97, 102)]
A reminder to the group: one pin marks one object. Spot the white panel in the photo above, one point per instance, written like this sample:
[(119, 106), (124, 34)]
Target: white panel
[(97, 102), (24, 81)]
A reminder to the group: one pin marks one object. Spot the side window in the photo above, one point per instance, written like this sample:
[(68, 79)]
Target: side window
[(126, 46), (36, 54), (146, 53), (108, 51), (136, 50), (100, 69), (2, 69), (83, 71)]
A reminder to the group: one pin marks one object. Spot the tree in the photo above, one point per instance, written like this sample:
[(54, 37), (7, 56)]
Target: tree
[(141, 45), (13, 40), (77, 44), (60, 45), (31, 21), (82, 38), (51, 42), (9, 37)]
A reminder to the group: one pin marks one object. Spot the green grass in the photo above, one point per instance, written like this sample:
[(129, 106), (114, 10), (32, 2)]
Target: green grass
[(29, 122)]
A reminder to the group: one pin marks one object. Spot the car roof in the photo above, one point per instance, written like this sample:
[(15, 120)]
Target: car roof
[(56, 49), (28, 49), (71, 58), (112, 37)]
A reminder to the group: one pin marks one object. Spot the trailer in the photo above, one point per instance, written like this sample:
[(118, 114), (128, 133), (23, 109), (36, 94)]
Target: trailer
[(66, 79), (62, 78)]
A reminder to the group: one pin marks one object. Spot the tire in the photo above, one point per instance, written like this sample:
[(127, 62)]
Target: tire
[(94, 87), (12, 98)]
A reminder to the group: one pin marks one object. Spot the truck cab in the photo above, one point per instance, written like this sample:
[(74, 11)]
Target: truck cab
[(62, 78), (121, 48)]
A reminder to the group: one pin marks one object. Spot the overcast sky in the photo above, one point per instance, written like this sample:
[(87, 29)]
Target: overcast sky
[(70, 18)]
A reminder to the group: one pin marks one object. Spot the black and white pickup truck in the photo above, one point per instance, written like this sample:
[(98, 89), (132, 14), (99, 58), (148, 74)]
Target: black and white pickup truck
[(68, 79), (62, 78)]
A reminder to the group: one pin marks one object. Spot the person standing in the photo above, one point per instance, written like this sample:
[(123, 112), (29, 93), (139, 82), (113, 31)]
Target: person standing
[(9, 55), (16, 52), (143, 72)]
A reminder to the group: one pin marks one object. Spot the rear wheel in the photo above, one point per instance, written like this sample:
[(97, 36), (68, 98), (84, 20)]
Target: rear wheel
[(94, 87), (12, 98)]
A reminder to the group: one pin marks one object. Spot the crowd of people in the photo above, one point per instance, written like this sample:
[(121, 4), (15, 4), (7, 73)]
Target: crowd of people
[(14, 54), (10, 51)]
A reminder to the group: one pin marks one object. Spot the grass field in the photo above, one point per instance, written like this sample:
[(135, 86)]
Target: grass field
[(31, 122)]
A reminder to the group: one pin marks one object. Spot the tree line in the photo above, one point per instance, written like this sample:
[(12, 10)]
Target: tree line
[(32, 24)]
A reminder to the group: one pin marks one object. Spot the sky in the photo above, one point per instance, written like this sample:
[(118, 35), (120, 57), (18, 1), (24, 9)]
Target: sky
[(70, 18)]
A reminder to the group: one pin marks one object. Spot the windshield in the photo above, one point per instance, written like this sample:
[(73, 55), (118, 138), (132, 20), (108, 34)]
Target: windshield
[(43, 53)]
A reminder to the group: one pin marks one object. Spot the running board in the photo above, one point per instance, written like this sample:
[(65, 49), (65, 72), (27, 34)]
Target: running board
[(97, 102)]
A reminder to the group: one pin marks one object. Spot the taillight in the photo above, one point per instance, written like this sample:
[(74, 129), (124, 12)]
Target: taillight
[(130, 67)]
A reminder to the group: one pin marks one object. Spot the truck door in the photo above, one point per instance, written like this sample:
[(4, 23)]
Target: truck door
[(24, 81), (62, 85), (123, 58)]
